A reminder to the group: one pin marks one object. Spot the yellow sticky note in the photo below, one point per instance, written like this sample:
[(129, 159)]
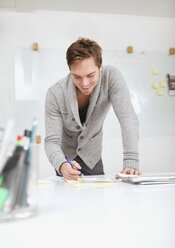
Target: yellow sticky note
[(44, 182), (71, 181), (81, 184), (132, 96), (163, 84), (155, 71), (160, 92), (155, 85)]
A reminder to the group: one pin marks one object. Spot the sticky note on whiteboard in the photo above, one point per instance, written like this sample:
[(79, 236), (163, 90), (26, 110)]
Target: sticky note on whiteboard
[(160, 92), (163, 84), (155, 85), (155, 71), (132, 95)]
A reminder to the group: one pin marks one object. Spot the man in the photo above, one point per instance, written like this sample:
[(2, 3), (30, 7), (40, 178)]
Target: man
[(76, 108)]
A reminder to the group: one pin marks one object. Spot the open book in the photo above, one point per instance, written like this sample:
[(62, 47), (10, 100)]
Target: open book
[(148, 179)]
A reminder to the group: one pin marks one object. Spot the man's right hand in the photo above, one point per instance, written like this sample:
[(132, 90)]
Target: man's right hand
[(68, 172)]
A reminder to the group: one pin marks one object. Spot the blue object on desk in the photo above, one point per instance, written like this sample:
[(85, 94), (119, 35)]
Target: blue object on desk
[(68, 160)]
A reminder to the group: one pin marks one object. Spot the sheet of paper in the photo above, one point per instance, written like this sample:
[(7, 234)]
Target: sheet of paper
[(96, 179), (44, 181), (160, 92), (51, 179), (163, 84), (155, 85), (94, 185), (155, 71), (151, 179), (121, 175), (97, 182), (132, 95)]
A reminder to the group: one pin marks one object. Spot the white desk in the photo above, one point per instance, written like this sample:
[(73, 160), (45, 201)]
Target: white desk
[(125, 216)]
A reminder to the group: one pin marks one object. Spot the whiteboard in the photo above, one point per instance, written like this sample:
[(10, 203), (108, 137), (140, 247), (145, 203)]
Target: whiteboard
[(36, 71)]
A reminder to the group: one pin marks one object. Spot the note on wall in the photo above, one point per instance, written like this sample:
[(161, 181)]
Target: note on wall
[(36, 72), (155, 71), (155, 85), (160, 92), (163, 84)]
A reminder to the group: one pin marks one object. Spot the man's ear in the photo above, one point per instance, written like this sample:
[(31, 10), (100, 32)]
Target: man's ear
[(101, 67)]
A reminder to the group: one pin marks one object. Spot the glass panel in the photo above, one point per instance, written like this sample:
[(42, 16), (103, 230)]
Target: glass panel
[(36, 71)]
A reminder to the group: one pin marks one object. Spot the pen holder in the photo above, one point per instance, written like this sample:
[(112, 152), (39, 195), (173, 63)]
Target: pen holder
[(20, 199)]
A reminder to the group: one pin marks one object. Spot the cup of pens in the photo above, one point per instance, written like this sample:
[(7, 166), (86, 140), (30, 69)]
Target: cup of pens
[(18, 174)]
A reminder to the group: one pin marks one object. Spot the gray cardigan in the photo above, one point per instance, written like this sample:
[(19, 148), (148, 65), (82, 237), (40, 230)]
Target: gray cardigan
[(67, 136)]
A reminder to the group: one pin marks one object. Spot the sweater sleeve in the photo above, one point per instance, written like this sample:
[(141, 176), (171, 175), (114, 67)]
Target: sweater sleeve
[(53, 131), (121, 102)]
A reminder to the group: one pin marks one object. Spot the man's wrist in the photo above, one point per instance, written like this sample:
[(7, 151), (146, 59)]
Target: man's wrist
[(134, 164), (60, 168)]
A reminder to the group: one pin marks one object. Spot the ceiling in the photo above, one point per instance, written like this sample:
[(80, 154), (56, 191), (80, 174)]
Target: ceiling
[(157, 8)]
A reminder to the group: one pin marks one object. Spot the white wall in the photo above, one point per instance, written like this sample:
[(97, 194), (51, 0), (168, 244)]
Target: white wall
[(59, 29)]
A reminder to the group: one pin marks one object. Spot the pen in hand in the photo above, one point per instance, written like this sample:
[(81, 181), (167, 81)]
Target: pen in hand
[(68, 160)]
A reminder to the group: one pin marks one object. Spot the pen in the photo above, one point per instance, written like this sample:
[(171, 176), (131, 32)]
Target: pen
[(68, 160)]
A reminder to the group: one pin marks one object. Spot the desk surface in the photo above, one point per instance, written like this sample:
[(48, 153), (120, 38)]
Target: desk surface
[(124, 216)]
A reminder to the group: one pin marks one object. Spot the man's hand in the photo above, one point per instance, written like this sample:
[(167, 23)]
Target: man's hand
[(68, 172), (130, 171)]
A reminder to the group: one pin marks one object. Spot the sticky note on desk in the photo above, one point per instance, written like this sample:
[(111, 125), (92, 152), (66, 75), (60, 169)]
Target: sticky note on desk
[(71, 181), (155, 71), (44, 182), (100, 184)]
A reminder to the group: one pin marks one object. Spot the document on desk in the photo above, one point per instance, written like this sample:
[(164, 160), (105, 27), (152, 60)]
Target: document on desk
[(97, 182), (51, 179), (149, 179)]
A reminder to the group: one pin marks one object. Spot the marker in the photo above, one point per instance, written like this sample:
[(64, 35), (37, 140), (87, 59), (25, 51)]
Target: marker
[(30, 136), (68, 160), (15, 183), (3, 196), (1, 180)]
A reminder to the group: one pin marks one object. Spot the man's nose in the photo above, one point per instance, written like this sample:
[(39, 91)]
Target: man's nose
[(85, 82)]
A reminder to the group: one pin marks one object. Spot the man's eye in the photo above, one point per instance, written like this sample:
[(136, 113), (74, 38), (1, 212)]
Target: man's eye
[(91, 76), (77, 77)]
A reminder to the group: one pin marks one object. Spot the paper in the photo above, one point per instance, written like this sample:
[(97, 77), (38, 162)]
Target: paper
[(151, 179), (155, 85), (155, 71), (121, 175), (96, 182), (132, 96), (160, 92), (52, 179), (163, 84), (94, 185), (44, 182)]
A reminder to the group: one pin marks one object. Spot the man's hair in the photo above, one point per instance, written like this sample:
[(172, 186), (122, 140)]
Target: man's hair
[(82, 49)]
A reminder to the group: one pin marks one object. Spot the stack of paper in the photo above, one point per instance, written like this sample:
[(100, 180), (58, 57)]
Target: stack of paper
[(148, 179)]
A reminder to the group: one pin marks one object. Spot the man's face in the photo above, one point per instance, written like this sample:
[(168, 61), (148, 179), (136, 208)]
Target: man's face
[(85, 75)]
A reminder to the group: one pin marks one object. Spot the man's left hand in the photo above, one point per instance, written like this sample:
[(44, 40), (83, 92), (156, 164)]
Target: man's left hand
[(130, 171)]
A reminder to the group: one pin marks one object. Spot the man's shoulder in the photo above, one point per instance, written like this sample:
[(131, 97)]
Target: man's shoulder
[(60, 84), (110, 74), (59, 89), (108, 69)]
